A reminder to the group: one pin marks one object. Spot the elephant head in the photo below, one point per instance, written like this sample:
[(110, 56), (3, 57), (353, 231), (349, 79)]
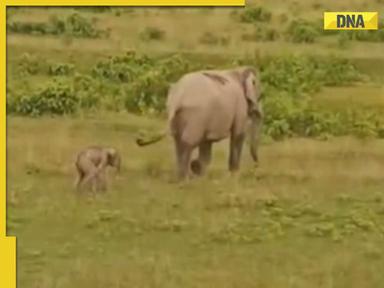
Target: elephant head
[(114, 159), (248, 79)]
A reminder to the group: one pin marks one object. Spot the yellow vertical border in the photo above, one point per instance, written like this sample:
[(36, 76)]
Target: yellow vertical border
[(7, 244)]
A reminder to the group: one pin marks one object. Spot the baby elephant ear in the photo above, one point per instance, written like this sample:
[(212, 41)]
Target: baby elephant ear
[(216, 77), (112, 152)]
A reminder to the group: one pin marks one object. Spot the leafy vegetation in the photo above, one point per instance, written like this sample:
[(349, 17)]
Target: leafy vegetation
[(73, 25), (152, 33), (364, 35), (209, 38), (261, 33), (254, 14), (57, 98), (61, 69), (139, 84), (302, 31)]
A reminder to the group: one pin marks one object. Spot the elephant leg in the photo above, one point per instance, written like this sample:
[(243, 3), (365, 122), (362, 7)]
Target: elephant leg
[(178, 152), (79, 181), (101, 182), (198, 166), (236, 145), (183, 155), (185, 160), (88, 180)]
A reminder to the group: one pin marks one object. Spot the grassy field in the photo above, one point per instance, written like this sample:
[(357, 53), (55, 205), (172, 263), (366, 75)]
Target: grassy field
[(312, 214)]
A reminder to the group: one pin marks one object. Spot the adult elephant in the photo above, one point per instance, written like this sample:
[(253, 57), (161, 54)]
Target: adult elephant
[(207, 106)]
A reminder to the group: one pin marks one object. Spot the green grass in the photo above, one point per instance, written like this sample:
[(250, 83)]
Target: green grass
[(365, 97), (310, 216)]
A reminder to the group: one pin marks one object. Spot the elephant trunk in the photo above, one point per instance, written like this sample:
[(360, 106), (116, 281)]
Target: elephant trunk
[(255, 135)]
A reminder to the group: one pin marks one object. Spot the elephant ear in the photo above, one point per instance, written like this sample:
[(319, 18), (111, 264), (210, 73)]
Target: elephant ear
[(114, 158), (216, 77), (249, 87)]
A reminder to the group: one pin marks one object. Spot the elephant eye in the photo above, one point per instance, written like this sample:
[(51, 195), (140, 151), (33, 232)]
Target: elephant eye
[(253, 81)]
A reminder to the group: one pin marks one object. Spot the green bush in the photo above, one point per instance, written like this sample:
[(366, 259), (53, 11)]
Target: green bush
[(261, 34), (57, 98), (27, 28), (87, 91), (365, 124), (74, 25), (30, 65), (139, 84), (143, 81), (286, 117), (255, 14), (363, 35), (148, 92), (152, 33), (302, 31), (209, 38), (304, 74), (61, 69), (288, 82), (124, 68)]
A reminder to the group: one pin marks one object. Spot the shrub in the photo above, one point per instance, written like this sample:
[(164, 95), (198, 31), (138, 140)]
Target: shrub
[(337, 71), (342, 40), (144, 80), (287, 82), (74, 25), (363, 35), (286, 117), (299, 74), (302, 31), (209, 38), (57, 98), (255, 14), (140, 84), (27, 28), (122, 68), (261, 34), (86, 91), (148, 92), (364, 124), (61, 69), (30, 65), (152, 33)]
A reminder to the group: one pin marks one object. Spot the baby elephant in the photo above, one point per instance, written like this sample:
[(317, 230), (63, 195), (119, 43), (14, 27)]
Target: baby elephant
[(91, 164)]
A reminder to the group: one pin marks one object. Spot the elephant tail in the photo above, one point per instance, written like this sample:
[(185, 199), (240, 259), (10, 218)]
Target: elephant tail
[(141, 141), (172, 108)]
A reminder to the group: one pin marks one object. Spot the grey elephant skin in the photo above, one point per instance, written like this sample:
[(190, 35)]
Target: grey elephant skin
[(205, 107)]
